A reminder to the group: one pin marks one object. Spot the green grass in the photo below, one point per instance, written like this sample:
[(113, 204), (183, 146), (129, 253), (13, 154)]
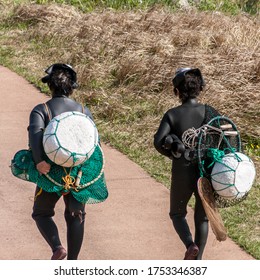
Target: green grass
[(243, 223), (227, 6)]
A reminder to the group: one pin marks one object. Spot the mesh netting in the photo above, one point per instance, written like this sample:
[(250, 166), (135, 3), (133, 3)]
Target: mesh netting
[(85, 181), (211, 142), (216, 139), (70, 149)]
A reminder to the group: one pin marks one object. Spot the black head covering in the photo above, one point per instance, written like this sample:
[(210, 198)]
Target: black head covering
[(180, 76), (60, 66)]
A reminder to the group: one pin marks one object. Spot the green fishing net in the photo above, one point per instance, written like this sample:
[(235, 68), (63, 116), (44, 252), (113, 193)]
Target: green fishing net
[(90, 189), (218, 138), (210, 143)]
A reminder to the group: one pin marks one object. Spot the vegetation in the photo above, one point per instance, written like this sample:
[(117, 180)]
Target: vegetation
[(125, 60), (227, 6)]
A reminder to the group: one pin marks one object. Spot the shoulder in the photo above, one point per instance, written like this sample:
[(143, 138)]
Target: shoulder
[(173, 110), (171, 115), (38, 109), (83, 108), (38, 114)]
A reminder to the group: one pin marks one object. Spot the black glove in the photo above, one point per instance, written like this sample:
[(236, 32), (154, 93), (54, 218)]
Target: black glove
[(168, 142), (173, 143)]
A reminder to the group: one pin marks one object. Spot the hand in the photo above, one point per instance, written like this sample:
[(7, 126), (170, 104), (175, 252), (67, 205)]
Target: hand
[(178, 147), (43, 167), (173, 143), (168, 142)]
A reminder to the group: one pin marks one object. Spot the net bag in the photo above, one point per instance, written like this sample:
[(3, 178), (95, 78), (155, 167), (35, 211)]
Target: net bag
[(233, 175), (20, 164), (70, 139), (218, 142), (86, 181), (223, 168)]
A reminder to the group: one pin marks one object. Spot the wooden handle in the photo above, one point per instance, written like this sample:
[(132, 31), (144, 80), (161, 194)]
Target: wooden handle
[(226, 126), (78, 178), (230, 133)]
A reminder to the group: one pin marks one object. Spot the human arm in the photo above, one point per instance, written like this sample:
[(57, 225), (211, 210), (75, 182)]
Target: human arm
[(36, 130), (43, 167), (165, 141), (160, 136)]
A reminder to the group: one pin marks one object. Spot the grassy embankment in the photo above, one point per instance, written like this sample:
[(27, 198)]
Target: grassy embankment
[(125, 60)]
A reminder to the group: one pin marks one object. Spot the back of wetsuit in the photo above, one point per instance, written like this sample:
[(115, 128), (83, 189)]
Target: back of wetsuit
[(179, 119), (39, 119)]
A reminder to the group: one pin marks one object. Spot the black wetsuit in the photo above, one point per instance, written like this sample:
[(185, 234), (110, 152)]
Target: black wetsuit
[(43, 208), (185, 172)]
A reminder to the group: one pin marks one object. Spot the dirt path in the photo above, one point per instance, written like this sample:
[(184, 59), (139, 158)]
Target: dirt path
[(132, 224)]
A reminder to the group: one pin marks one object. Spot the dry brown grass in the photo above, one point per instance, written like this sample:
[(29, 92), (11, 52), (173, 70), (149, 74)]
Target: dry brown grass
[(125, 61)]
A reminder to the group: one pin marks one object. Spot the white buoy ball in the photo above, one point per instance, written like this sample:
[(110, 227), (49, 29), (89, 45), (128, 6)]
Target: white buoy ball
[(70, 138), (234, 176)]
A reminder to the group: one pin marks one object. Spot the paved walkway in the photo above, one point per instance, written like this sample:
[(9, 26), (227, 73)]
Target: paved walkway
[(132, 224)]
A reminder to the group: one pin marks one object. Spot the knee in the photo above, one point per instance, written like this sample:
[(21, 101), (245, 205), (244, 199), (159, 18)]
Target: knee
[(200, 215), (37, 214), (200, 219), (71, 215), (177, 216)]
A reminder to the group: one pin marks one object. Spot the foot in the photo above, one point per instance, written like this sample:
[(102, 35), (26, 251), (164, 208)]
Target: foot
[(59, 254), (192, 252)]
